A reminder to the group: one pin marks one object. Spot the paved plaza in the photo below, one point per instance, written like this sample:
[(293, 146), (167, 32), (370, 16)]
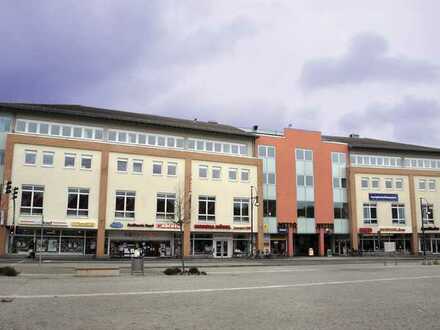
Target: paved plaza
[(319, 296)]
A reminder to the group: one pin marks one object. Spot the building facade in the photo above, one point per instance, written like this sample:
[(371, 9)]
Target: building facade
[(101, 182)]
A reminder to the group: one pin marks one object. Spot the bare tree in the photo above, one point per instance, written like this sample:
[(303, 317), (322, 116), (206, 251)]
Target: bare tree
[(181, 218)]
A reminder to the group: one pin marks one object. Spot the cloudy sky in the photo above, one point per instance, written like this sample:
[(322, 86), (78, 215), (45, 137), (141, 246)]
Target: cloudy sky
[(370, 67)]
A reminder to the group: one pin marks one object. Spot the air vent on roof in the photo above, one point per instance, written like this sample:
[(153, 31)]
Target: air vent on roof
[(354, 136), (290, 126), (255, 128)]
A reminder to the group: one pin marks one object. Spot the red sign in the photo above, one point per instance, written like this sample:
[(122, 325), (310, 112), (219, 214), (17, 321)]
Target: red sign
[(209, 226), (365, 230), (167, 226)]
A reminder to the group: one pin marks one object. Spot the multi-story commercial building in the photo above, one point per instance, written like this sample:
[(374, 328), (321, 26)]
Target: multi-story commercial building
[(97, 181)]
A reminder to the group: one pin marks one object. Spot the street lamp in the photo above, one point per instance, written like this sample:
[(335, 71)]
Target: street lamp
[(424, 211), (254, 201)]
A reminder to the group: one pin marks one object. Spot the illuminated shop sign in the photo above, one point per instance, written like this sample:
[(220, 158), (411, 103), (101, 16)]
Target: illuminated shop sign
[(209, 226), (116, 225), (383, 197), (83, 224), (140, 225), (167, 226)]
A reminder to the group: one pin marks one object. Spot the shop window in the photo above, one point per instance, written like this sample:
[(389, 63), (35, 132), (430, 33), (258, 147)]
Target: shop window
[(270, 208), (305, 209), (166, 206), (370, 213), (69, 160), (78, 202), (30, 157), (398, 213), (206, 208), (32, 199), (241, 210), (125, 204)]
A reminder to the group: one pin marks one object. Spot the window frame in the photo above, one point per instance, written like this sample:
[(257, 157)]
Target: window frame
[(32, 208), (241, 217), (369, 220), (396, 216), (72, 156), (46, 153), (122, 160), (78, 192), (157, 163), (206, 217), (34, 153), (166, 216), (125, 194), (86, 157), (137, 162)]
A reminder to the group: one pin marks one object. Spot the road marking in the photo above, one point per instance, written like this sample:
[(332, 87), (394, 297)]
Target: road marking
[(246, 288), (263, 271)]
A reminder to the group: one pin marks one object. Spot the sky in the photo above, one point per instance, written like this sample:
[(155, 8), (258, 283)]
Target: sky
[(340, 67)]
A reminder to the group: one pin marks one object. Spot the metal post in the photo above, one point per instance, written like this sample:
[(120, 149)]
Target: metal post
[(423, 210), (40, 257), (13, 224), (252, 221)]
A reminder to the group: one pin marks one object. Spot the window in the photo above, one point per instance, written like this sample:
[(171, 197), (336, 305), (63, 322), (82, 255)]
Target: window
[(370, 213), (308, 155), (217, 147), (200, 145), (309, 181), (226, 148), (365, 183), (340, 210), (304, 180), (305, 209), (171, 142), (234, 149), (77, 132), (203, 171), (86, 162), (122, 137), (78, 202), (431, 184), (398, 213), (55, 130), (243, 150), (191, 144), (399, 184), (48, 158), (99, 134), (216, 172), (88, 133), (44, 128), (245, 175), (206, 208), (300, 180), (66, 131), (269, 178), (32, 127), (241, 210), (166, 206), (138, 165), (336, 183), (122, 165), (428, 214), (125, 202), (232, 174), (343, 183), (112, 136), (20, 126), (422, 184), (299, 154), (142, 139), (132, 138), (172, 169), (157, 168), (69, 160), (30, 157), (161, 141), (31, 199), (180, 143), (270, 208), (375, 183), (209, 146), (389, 183), (151, 140)]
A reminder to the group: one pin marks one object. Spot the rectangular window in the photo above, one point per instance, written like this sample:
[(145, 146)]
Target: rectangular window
[(305, 209), (209, 146), (398, 214), (88, 133), (216, 172), (217, 147), (44, 128), (370, 213), (234, 149), (122, 137), (399, 184), (180, 143), (122, 164), (270, 178), (232, 174), (55, 130), (241, 210), (20, 126), (30, 157), (48, 157), (78, 202), (340, 210), (166, 206), (299, 154), (171, 142), (157, 168), (389, 183), (203, 171), (191, 144), (138, 166), (69, 160), (172, 169), (86, 162), (152, 140), (245, 175), (422, 184), (142, 139), (99, 134), (309, 181), (226, 148), (300, 180), (336, 183), (206, 208), (365, 183), (431, 185), (77, 132), (112, 136), (262, 151), (270, 208), (343, 183), (32, 199), (375, 183), (132, 138), (125, 204), (243, 150), (161, 141), (200, 145), (32, 127), (66, 131), (428, 214)]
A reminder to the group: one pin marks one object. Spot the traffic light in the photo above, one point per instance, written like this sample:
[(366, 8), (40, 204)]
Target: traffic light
[(8, 187), (15, 193)]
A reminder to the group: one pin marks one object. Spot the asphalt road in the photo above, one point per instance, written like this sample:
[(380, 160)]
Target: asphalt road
[(368, 296)]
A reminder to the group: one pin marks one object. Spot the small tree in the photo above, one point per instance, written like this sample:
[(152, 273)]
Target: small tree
[(181, 219)]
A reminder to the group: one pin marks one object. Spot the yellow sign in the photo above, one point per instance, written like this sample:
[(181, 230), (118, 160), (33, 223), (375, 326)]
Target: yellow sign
[(83, 224)]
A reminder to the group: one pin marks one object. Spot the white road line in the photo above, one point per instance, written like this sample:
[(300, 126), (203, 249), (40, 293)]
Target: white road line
[(246, 288), (263, 271)]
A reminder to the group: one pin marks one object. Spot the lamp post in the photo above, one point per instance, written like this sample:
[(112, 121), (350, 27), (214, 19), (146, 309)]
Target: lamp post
[(254, 201), (40, 256), (424, 211)]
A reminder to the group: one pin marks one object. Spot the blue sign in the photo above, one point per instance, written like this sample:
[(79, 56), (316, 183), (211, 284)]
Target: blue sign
[(383, 197), (116, 225)]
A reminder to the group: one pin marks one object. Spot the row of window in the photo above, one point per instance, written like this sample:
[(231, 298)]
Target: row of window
[(395, 162), (48, 157), (216, 173), (128, 137), (397, 213), (167, 206), (375, 183), (137, 167)]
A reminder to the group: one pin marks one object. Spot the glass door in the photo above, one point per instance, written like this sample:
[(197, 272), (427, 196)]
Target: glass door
[(221, 248)]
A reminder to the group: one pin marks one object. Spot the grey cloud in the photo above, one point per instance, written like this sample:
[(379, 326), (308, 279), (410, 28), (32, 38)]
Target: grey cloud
[(413, 120), (365, 61)]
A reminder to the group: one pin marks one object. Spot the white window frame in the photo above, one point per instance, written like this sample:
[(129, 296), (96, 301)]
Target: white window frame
[(391, 181), (76, 211), (373, 181), (34, 153), (86, 157), (122, 160), (369, 220), (396, 181), (367, 180), (157, 163), (137, 162), (248, 172), (33, 189), (166, 216), (202, 168), (434, 185), (421, 181), (126, 214), (169, 166), (216, 169), (206, 217), (48, 153), (230, 171), (241, 218), (400, 220), (70, 155)]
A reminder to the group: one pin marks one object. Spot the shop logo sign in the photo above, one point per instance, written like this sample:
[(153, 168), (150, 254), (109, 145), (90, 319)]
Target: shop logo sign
[(116, 225), (383, 197)]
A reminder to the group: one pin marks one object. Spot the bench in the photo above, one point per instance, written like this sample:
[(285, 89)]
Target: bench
[(97, 271)]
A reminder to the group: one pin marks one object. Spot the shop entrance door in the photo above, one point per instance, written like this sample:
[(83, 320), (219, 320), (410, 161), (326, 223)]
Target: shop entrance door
[(221, 248)]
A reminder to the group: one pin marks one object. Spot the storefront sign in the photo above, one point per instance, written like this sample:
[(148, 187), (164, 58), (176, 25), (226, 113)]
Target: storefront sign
[(140, 225), (45, 223), (430, 229), (392, 230), (209, 226), (83, 224), (282, 229), (383, 197), (365, 230), (242, 228), (29, 222), (116, 225), (167, 226)]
